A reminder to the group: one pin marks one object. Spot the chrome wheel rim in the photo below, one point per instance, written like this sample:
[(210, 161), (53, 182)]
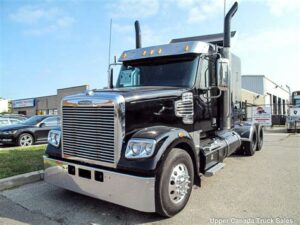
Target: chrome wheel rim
[(179, 183), (26, 140)]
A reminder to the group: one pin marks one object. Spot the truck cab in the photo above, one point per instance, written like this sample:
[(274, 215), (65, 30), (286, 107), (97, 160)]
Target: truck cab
[(171, 117), (293, 118)]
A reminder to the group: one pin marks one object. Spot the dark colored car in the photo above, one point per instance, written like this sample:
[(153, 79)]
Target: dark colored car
[(12, 115), (4, 121), (28, 132)]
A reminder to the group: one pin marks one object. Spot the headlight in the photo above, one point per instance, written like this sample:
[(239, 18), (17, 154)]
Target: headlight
[(140, 148), (9, 132), (54, 137)]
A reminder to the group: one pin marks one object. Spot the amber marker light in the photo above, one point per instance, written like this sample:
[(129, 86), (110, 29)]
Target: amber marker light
[(181, 134), (159, 51), (144, 52), (124, 56), (152, 52)]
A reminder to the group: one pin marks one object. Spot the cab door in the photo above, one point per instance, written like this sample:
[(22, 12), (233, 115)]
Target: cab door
[(206, 104)]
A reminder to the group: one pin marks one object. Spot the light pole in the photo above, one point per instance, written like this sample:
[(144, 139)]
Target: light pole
[(288, 87)]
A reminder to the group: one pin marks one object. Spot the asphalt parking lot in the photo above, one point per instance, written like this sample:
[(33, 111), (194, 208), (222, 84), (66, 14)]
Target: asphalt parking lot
[(265, 186)]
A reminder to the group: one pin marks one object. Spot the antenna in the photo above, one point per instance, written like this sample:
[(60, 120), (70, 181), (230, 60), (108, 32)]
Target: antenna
[(109, 44)]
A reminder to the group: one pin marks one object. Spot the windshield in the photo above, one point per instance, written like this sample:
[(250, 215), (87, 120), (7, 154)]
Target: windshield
[(34, 120), (297, 101), (177, 73)]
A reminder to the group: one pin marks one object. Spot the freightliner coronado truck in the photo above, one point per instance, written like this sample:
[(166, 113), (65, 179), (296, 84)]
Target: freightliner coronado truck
[(293, 118), (170, 118)]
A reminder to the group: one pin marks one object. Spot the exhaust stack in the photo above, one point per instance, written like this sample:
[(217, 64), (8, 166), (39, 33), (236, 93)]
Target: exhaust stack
[(227, 32), (138, 37), (227, 99)]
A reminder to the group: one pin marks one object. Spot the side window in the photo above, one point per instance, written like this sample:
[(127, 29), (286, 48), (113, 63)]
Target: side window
[(14, 121), (3, 122), (223, 73), (204, 74), (52, 122), (129, 77)]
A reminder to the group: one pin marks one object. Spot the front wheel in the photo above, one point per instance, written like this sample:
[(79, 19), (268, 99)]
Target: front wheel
[(174, 183), (25, 140)]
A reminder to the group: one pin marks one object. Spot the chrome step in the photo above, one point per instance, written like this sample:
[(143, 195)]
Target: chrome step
[(212, 171)]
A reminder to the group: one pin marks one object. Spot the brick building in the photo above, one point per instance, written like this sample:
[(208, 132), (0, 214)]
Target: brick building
[(46, 104)]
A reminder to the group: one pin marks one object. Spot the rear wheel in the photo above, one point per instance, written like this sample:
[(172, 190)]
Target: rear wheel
[(174, 183), (250, 147), (260, 138), (25, 140)]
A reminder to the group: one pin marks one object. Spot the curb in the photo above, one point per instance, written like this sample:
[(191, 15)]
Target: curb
[(18, 180), (2, 147)]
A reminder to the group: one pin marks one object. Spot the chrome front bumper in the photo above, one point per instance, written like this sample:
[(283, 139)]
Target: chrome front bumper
[(130, 191)]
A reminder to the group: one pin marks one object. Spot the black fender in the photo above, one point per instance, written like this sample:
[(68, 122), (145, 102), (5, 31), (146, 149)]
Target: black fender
[(167, 138), (245, 130), (52, 150)]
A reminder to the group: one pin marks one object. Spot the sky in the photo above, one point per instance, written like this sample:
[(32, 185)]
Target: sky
[(46, 45)]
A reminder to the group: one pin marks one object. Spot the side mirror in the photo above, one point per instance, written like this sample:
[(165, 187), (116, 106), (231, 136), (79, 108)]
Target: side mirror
[(223, 74), (42, 125)]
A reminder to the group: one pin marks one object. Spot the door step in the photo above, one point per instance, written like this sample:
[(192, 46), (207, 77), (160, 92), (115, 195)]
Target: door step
[(212, 171)]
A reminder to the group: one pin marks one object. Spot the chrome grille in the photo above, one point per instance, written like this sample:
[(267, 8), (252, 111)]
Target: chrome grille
[(184, 108), (89, 133)]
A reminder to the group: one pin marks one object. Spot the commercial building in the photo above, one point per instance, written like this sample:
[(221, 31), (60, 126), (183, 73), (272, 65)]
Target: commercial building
[(3, 105), (265, 92), (45, 105)]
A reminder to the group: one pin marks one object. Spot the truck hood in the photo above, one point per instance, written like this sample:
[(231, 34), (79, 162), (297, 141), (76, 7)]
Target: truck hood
[(136, 94), (151, 106), (144, 106)]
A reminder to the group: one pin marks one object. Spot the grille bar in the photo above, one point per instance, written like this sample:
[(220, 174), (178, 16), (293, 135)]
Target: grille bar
[(89, 133)]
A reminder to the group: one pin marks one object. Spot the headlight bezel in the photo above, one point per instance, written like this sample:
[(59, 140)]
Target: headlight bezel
[(54, 137), (146, 148)]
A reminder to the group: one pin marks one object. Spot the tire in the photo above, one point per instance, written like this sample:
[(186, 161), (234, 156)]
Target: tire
[(25, 139), (260, 138), (178, 165), (250, 147)]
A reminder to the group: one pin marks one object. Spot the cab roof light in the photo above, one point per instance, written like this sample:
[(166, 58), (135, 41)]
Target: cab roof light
[(186, 48)]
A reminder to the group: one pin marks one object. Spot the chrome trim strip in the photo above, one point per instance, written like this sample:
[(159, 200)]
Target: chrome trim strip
[(130, 191), (97, 99)]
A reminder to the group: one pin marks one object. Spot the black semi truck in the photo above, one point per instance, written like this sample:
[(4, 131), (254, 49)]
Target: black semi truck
[(171, 117)]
